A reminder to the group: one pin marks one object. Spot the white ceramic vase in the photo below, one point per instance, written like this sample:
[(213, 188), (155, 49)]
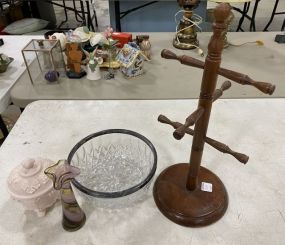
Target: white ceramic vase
[(93, 75)]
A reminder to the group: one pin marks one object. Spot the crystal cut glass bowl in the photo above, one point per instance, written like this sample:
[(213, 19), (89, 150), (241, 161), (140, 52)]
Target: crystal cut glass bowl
[(116, 167)]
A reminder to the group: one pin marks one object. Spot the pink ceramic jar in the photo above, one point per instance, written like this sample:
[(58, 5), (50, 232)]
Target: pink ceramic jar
[(28, 184)]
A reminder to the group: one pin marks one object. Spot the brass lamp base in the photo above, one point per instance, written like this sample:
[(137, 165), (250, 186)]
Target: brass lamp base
[(189, 208), (186, 36), (229, 20), (226, 43), (185, 42)]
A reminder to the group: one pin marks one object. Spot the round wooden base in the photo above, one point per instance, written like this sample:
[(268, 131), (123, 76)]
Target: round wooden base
[(189, 208)]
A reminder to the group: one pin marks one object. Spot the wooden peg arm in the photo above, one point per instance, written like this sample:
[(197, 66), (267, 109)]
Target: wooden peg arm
[(237, 77), (219, 92), (226, 149), (216, 144), (191, 120), (242, 79), (184, 59)]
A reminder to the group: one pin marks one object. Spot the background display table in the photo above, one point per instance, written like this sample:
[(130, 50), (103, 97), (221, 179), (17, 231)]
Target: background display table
[(12, 47), (167, 79), (256, 210)]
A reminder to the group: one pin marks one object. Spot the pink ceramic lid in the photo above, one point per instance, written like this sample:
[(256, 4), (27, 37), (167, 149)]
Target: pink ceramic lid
[(28, 180)]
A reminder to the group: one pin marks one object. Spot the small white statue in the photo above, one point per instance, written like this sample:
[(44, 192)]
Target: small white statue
[(59, 36), (93, 68)]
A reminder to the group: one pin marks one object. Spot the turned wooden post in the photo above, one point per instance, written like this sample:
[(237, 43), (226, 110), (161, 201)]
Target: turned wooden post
[(178, 191), (208, 86)]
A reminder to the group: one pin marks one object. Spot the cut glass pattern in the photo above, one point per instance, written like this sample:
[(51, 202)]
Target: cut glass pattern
[(113, 162)]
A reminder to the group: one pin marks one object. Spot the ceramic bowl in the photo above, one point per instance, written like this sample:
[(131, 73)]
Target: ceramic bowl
[(116, 167)]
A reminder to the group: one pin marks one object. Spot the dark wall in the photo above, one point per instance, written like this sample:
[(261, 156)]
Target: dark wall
[(153, 18)]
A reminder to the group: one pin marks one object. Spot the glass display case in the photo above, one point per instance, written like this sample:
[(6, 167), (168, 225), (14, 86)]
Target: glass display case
[(44, 60)]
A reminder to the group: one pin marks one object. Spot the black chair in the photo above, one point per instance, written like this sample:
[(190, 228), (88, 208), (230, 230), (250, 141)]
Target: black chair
[(82, 14), (245, 15), (274, 12), (3, 128)]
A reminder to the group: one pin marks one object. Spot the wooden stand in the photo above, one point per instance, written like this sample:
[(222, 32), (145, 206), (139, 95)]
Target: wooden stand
[(178, 191)]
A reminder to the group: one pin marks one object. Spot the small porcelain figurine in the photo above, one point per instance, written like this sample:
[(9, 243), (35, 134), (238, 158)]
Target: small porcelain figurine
[(93, 68), (28, 185), (74, 54), (145, 47), (59, 36), (131, 59)]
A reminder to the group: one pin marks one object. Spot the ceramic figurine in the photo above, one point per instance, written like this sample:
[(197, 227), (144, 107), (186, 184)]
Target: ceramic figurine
[(145, 47), (28, 185), (74, 57), (41, 43), (131, 59), (93, 68), (61, 174), (59, 36)]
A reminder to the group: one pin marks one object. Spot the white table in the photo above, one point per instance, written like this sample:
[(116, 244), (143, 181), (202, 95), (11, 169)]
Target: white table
[(256, 212), (12, 47), (168, 79)]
